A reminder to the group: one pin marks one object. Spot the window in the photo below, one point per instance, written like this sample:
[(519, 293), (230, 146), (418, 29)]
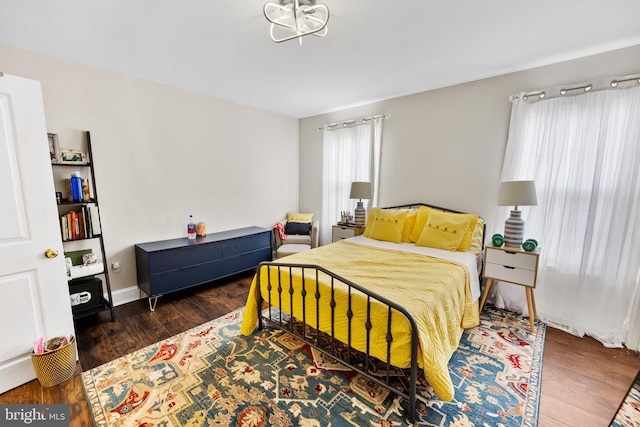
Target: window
[(584, 154), (350, 153)]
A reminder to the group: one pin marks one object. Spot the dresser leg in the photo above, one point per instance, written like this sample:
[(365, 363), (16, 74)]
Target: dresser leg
[(485, 293), (152, 305), (531, 305)]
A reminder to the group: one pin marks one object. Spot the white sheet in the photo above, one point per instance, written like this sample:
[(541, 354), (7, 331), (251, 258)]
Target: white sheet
[(465, 258)]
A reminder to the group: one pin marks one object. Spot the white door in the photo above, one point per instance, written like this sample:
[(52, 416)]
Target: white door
[(34, 298)]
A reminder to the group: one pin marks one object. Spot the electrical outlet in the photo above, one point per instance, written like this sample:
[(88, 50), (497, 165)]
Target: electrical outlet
[(115, 266)]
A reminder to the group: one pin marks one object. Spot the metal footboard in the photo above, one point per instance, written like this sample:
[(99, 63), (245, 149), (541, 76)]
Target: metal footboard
[(326, 341)]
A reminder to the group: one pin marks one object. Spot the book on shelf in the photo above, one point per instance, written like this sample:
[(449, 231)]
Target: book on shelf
[(74, 225), (95, 219), (63, 227), (81, 224)]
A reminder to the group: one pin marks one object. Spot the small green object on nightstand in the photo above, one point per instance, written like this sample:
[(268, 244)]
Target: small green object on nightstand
[(497, 240), (530, 245)]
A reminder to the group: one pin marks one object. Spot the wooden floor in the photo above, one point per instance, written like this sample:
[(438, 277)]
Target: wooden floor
[(582, 382)]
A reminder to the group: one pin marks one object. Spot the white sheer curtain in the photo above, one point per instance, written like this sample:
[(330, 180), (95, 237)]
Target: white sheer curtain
[(350, 153), (584, 154)]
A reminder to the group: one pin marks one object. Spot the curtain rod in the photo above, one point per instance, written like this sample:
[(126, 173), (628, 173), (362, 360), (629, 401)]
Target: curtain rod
[(352, 122), (554, 92)]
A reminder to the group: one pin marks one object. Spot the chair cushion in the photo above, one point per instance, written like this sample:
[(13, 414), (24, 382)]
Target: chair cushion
[(285, 250), (297, 239), (297, 227)]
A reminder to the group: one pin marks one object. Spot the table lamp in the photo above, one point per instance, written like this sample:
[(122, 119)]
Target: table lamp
[(516, 193), (360, 190)]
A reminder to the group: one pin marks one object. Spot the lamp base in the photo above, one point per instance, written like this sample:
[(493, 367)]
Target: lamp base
[(360, 215), (514, 229)]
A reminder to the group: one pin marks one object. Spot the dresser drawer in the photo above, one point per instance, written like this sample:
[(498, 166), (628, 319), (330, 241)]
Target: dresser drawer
[(246, 261), (169, 281), (168, 260), (245, 244), (512, 259), (510, 274)]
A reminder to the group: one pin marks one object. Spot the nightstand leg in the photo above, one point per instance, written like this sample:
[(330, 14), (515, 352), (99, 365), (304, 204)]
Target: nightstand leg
[(485, 293), (533, 303), (531, 306)]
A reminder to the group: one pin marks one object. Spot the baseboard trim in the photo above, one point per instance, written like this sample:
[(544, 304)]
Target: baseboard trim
[(123, 296)]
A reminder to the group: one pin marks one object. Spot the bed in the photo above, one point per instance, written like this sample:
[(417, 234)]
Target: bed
[(393, 301)]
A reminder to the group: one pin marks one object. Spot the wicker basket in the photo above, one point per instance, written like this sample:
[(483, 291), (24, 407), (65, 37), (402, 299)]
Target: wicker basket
[(57, 366)]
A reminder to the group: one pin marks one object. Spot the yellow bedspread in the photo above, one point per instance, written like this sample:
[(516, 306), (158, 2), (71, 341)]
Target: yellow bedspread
[(436, 292)]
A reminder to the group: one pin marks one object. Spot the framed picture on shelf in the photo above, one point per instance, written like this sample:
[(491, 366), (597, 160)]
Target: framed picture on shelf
[(74, 157), (54, 147)]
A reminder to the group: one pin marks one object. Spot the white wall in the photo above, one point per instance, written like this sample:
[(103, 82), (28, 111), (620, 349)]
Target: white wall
[(446, 146), (162, 153)]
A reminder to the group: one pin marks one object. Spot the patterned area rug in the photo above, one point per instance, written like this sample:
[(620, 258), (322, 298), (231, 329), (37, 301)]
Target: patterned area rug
[(628, 414), (212, 375)]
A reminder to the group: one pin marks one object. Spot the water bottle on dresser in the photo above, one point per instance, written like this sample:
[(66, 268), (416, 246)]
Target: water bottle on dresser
[(191, 228)]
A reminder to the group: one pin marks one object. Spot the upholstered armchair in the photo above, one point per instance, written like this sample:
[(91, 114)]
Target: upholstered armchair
[(300, 236)]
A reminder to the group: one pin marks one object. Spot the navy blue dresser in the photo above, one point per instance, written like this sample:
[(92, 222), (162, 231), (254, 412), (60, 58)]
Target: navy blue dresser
[(170, 265)]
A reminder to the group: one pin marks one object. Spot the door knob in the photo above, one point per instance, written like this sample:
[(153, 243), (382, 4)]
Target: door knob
[(51, 253)]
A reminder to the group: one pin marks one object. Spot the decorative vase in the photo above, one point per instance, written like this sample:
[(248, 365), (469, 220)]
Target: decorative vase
[(514, 229), (360, 215)]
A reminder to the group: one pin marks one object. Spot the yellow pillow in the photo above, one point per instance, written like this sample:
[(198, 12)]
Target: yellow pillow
[(443, 231), (388, 225), (472, 219), (409, 222), (370, 219), (477, 237), (299, 217), (406, 230), (421, 220)]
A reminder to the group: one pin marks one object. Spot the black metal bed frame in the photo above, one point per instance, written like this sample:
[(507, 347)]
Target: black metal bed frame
[(286, 323), (310, 272)]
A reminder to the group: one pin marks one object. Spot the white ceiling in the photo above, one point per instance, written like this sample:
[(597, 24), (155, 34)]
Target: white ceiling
[(374, 50)]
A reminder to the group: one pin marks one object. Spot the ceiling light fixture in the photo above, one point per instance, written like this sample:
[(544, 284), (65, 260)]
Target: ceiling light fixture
[(294, 19)]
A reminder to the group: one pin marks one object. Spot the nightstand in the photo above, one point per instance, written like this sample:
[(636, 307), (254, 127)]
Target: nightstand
[(340, 232), (512, 265)]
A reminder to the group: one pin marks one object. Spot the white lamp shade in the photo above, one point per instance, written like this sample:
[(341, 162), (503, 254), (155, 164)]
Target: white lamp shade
[(360, 190), (518, 193)]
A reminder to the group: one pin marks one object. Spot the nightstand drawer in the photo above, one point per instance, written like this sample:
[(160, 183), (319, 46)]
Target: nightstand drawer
[(510, 274), (512, 259), (339, 233), (342, 233), (512, 265)]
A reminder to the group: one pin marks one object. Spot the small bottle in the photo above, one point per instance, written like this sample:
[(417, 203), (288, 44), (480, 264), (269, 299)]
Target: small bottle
[(191, 228), (86, 194), (76, 187), (67, 189)]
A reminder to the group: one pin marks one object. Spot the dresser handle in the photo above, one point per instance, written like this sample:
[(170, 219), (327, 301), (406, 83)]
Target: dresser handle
[(509, 267)]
